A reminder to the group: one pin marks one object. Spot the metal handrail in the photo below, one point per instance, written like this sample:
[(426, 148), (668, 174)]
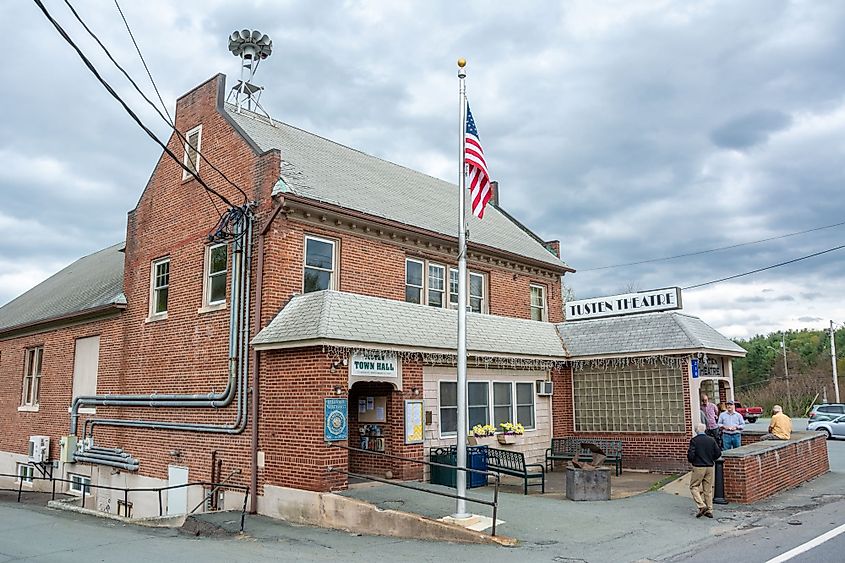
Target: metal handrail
[(127, 490), (494, 503)]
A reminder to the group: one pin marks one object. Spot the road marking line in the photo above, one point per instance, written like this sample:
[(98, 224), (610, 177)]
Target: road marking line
[(808, 545)]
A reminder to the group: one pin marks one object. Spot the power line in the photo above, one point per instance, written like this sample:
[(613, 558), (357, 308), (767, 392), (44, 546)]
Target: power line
[(696, 253), (150, 102), (140, 56), (126, 108), (766, 268)]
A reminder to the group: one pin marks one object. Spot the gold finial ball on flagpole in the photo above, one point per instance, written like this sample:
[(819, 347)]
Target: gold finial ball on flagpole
[(462, 62)]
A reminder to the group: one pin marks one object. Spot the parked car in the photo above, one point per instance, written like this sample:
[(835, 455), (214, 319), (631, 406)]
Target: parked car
[(750, 414), (827, 411), (834, 428)]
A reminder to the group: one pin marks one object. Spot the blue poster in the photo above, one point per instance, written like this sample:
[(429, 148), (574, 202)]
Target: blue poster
[(694, 365), (336, 424)]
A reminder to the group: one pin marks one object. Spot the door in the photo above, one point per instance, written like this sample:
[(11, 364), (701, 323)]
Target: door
[(177, 499)]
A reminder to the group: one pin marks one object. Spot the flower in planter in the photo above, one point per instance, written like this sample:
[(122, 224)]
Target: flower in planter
[(512, 428), (480, 431)]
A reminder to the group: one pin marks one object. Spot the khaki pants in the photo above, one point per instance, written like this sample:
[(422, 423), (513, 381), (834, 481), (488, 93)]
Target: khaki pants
[(701, 486)]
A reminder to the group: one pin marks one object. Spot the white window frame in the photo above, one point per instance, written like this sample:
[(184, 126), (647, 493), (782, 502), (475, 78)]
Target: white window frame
[(483, 308), (443, 290), (333, 272), (31, 386), (76, 482), (25, 474), (185, 159), (486, 405), (154, 289), (423, 294), (490, 405), (516, 404), (440, 409), (544, 315), (207, 303)]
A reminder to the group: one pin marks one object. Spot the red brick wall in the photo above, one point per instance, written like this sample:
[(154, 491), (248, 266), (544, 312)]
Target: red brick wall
[(754, 476), (52, 418)]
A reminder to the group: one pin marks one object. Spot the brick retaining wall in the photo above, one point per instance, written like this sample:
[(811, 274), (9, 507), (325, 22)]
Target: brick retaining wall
[(758, 469)]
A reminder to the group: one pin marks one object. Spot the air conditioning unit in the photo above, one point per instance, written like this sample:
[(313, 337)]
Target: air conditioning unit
[(39, 448), (544, 387)]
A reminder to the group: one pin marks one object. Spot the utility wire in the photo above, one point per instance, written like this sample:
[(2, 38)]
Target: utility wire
[(126, 108), (169, 119), (696, 253), (140, 56), (150, 102), (766, 268)]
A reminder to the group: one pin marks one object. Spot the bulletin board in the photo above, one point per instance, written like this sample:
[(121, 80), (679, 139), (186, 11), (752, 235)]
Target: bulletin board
[(413, 422), (372, 409)]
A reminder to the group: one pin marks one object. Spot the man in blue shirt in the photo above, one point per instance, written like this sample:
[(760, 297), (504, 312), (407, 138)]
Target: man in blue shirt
[(731, 423)]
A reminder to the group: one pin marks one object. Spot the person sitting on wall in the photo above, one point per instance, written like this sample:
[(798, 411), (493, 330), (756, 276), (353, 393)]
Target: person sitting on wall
[(781, 426), (702, 453), (731, 424)]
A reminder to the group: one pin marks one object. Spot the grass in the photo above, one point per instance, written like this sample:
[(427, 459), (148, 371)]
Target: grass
[(663, 482)]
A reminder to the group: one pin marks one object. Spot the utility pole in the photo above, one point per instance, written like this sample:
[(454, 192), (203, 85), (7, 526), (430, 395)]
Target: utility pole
[(786, 372), (833, 361)]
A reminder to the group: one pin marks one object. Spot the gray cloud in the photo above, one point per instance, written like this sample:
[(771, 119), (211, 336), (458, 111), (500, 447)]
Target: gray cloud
[(751, 129), (810, 319), (606, 126)]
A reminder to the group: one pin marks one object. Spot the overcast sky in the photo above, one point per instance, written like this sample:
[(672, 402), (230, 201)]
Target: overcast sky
[(627, 130)]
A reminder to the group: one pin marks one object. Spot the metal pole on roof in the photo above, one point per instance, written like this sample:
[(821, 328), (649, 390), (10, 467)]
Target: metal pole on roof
[(461, 459), (786, 371)]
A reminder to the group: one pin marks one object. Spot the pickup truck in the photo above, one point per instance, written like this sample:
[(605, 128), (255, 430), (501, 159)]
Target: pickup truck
[(750, 414)]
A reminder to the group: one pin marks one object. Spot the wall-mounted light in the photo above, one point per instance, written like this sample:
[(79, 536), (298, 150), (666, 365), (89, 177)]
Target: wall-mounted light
[(336, 363), (337, 390), (415, 391)]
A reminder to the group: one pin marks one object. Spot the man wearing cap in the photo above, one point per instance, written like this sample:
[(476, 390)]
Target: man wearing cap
[(731, 423)]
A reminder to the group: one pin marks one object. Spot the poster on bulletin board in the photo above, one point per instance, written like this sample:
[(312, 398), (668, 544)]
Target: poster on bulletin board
[(413, 422), (336, 425)]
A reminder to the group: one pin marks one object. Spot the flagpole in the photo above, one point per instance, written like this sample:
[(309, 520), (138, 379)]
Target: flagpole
[(461, 461)]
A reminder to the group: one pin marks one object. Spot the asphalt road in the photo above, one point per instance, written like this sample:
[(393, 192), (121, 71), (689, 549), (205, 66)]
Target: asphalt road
[(652, 527)]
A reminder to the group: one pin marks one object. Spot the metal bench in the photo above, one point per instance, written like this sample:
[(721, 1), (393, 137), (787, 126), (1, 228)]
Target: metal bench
[(513, 463), (567, 449)]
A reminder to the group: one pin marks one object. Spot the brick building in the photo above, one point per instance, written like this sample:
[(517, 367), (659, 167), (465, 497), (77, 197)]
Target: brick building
[(170, 359)]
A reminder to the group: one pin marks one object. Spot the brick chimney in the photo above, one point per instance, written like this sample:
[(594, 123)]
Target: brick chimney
[(553, 246), (494, 188)]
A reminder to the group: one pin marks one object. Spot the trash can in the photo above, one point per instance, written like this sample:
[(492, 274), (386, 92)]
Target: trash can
[(476, 459)]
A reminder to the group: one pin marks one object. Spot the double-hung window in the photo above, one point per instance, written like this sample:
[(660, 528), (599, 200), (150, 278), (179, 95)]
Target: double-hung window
[(502, 403), (216, 258), (525, 404), (191, 160), (78, 483), (476, 292), (448, 407), (436, 285), (320, 264), (478, 401), (414, 282), (25, 473), (538, 303), (159, 287), (32, 376)]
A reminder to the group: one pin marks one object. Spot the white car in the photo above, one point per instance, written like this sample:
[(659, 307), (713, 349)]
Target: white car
[(833, 428)]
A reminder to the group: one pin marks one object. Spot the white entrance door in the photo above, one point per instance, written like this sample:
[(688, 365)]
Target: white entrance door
[(177, 499)]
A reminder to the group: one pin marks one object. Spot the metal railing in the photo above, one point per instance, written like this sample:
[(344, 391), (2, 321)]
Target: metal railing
[(494, 504), (126, 490)]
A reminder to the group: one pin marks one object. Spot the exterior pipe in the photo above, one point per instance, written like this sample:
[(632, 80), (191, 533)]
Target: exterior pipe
[(121, 465), (238, 363), (259, 287)]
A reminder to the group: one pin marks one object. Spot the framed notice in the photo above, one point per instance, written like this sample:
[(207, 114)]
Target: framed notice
[(413, 422), (336, 420)]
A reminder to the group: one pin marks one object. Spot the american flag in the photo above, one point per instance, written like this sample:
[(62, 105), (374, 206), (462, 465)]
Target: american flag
[(478, 180)]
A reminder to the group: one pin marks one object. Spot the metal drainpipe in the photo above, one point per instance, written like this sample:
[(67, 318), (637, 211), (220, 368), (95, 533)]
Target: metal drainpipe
[(237, 364), (259, 287), (121, 465)]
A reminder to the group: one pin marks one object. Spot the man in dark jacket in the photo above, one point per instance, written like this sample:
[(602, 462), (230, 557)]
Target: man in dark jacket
[(702, 454)]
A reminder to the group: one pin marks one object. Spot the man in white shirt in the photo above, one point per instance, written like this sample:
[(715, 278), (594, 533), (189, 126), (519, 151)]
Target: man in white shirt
[(731, 423)]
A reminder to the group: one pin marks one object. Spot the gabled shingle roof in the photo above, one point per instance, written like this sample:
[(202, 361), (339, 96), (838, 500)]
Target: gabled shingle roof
[(325, 171), (89, 283), (649, 332), (359, 319)]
